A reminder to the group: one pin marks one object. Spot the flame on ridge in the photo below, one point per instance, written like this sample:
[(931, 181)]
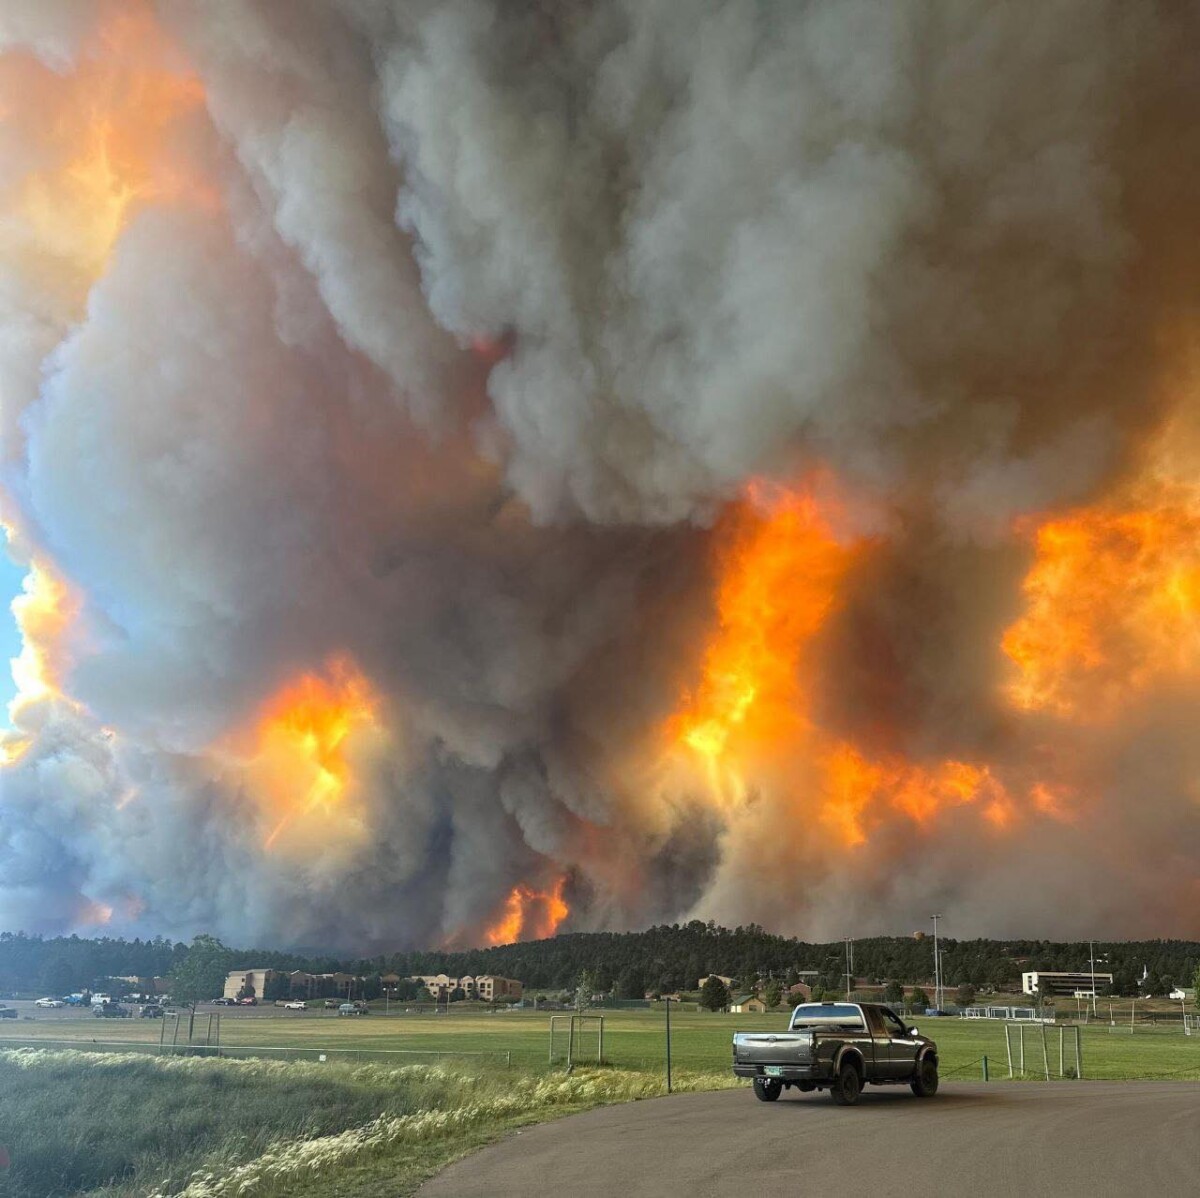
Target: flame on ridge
[(529, 914)]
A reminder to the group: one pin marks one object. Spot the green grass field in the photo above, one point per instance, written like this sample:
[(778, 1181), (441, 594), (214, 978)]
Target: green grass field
[(634, 1040)]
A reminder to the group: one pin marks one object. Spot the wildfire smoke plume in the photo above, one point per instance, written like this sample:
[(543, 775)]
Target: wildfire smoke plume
[(492, 468)]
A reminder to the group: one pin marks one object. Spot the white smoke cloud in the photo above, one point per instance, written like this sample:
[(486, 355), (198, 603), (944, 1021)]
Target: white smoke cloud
[(492, 307)]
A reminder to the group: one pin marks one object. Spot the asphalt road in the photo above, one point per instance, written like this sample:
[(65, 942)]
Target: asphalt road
[(1058, 1140)]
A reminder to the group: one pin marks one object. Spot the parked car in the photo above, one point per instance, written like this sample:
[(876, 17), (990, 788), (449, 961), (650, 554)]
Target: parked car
[(295, 1005), (354, 1008), (7, 1012), (248, 1002), (151, 1011), (224, 1002), (330, 1004), (50, 1002), (839, 1047), (111, 1010)]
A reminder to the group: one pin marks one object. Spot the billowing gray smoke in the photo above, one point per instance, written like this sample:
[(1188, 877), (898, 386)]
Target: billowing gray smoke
[(434, 335)]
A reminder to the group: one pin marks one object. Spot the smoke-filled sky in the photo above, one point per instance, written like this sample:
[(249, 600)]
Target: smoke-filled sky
[(484, 467)]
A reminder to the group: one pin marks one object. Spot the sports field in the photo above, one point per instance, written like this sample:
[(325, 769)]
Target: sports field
[(633, 1040)]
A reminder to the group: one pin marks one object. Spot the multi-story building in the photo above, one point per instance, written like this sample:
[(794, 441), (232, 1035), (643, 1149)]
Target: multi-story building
[(253, 981), (490, 988), (1043, 982), (485, 987)]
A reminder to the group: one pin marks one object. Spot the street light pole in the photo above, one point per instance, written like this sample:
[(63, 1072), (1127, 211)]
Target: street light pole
[(937, 966)]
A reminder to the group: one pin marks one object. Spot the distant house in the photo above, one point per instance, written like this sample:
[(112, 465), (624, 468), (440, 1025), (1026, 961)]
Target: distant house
[(748, 1002), (1184, 993), (727, 982), (800, 992)]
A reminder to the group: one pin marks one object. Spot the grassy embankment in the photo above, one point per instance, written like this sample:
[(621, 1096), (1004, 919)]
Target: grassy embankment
[(72, 1122), (122, 1124)]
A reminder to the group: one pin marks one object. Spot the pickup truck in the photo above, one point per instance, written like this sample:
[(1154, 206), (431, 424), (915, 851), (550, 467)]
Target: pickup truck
[(838, 1047)]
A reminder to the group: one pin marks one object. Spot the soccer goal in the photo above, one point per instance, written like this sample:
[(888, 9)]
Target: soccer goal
[(575, 1039)]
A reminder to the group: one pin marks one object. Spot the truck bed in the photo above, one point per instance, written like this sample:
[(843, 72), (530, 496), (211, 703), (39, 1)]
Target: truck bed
[(773, 1048)]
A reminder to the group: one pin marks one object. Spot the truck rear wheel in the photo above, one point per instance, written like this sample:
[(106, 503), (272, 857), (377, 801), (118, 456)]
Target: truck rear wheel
[(767, 1089), (925, 1081), (846, 1086)]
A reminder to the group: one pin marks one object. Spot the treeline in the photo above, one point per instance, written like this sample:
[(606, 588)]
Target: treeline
[(667, 958), (674, 957)]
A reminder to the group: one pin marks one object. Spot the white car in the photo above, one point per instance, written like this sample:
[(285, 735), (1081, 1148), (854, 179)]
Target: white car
[(295, 1006), (49, 1002)]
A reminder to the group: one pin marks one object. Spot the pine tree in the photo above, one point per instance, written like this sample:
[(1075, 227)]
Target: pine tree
[(713, 995)]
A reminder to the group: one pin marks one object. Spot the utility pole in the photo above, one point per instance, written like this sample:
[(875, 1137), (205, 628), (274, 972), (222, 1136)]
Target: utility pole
[(849, 967), (937, 966)]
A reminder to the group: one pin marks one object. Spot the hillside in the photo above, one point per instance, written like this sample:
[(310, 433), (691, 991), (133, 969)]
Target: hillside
[(670, 957)]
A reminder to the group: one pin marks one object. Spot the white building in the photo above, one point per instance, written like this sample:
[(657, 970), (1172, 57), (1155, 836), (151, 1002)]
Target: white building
[(1064, 983)]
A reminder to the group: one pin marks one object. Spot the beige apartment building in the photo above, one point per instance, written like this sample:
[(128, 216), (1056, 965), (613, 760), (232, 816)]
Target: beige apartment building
[(254, 980), (486, 987)]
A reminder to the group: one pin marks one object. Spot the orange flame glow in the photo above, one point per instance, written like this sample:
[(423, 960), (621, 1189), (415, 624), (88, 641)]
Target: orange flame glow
[(854, 786), (1112, 604), (104, 147), (45, 612), (529, 915), (779, 569), (300, 768), (750, 721)]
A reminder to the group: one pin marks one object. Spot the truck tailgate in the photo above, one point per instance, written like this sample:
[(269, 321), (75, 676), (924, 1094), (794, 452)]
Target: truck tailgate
[(773, 1048)]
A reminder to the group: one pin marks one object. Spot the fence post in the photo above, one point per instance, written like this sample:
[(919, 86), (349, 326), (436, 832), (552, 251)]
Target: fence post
[(668, 1001), (985, 1069), (1045, 1054), (1062, 1035), (1021, 1029), (1008, 1048), (571, 1045), (1078, 1054)]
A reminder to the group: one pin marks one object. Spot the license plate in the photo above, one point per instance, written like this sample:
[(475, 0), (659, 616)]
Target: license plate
[(773, 1071)]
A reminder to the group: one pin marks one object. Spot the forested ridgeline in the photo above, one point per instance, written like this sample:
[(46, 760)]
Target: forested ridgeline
[(668, 958)]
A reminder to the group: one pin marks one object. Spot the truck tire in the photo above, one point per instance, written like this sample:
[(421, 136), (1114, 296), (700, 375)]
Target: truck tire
[(847, 1086), (767, 1089), (925, 1081)]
